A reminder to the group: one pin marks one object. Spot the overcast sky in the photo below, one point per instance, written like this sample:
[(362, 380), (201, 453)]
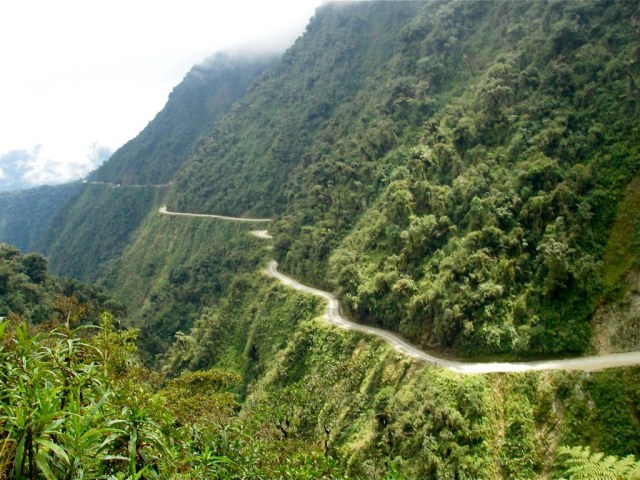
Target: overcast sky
[(77, 75)]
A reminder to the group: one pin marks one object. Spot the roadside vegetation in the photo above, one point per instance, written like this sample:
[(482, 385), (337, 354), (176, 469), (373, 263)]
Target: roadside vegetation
[(322, 403)]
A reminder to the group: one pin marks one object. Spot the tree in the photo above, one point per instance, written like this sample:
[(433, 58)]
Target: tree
[(35, 266)]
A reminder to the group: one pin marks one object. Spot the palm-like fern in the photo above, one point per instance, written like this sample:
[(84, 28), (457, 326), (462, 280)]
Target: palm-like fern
[(581, 463)]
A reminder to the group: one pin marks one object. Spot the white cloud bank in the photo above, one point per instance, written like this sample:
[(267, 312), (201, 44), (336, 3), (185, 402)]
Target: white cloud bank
[(45, 167), (38, 166)]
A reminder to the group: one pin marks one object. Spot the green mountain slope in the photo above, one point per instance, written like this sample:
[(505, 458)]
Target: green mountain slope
[(247, 162), (462, 172), (95, 226), (26, 215), (451, 168), (207, 92), (490, 239), (82, 235)]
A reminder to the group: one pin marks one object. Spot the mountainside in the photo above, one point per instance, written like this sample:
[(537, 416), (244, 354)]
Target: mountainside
[(94, 227), (207, 92), (82, 228), (246, 163), (26, 215), (464, 173), (450, 168)]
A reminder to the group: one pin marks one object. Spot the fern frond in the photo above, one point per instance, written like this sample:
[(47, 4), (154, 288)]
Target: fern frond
[(580, 464)]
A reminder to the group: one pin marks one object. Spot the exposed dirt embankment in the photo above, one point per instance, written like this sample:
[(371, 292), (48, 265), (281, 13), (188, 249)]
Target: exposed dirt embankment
[(616, 326)]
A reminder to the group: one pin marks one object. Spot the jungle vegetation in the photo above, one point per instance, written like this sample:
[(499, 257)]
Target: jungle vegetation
[(454, 177), (76, 402), (462, 172)]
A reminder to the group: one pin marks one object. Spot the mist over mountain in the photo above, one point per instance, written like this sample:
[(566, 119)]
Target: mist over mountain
[(94, 224)]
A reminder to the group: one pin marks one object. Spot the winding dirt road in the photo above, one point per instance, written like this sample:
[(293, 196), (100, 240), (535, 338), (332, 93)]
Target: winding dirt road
[(164, 211), (125, 185), (332, 315)]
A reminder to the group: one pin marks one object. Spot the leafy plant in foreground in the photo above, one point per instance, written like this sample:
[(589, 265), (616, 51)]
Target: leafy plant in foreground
[(60, 416), (581, 463)]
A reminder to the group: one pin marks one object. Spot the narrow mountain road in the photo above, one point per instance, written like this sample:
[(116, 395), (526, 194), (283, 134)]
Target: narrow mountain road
[(333, 316), (164, 211), (125, 185)]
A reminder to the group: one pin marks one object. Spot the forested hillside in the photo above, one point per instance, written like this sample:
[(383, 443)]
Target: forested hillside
[(29, 293), (451, 168), (77, 403), (322, 403), (26, 215), (465, 173)]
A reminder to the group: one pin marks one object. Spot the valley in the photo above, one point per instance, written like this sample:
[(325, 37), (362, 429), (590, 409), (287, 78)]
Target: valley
[(408, 247)]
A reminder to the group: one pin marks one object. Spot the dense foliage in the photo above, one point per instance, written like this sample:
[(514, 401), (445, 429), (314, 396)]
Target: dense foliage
[(489, 236), (61, 416), (30, 293), (463, 172), (459, 184), (76, 404), (383, 416)]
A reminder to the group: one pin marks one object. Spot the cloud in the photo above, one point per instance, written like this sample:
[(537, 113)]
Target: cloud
[(47, 166), (14, 165)]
